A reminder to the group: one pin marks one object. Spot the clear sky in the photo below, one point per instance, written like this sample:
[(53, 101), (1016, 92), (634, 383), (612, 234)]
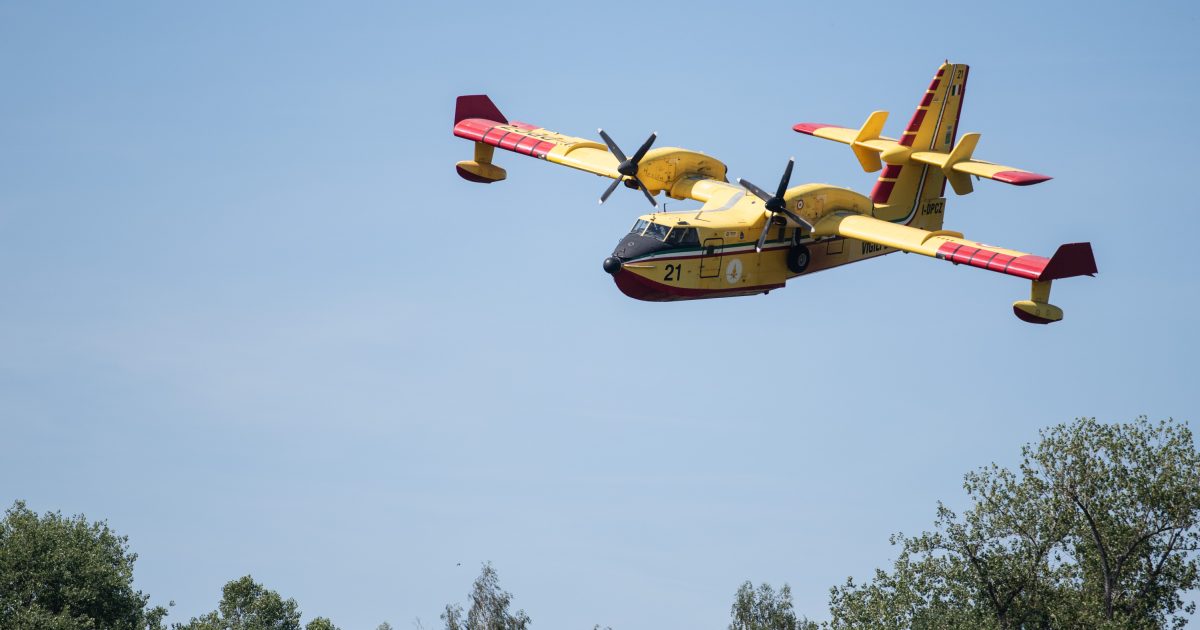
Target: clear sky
[(251, 316)]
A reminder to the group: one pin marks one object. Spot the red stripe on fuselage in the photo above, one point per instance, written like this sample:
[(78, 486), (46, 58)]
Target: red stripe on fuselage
[(693, 255), (640, 287), (915, 123), (882, 191)]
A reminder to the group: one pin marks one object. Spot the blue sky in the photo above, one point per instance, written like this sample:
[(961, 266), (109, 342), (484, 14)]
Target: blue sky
[(252, 316)]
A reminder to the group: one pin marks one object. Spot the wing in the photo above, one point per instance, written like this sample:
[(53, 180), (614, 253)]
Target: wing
[(1072, 259), (680, 173)]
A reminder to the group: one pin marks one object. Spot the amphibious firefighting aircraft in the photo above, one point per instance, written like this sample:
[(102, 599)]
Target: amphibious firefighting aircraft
[(746, 240)]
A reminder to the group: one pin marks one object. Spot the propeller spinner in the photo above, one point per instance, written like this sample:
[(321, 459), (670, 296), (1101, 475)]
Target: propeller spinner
[(774, 203), (628, 168)]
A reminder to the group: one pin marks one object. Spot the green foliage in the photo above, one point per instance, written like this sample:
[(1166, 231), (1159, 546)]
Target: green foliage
[(763, 609), (248, 605), (489, 607), (60, 573), (1096, 529)]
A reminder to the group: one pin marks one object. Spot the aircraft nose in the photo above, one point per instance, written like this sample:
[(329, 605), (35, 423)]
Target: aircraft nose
[(612, 264)]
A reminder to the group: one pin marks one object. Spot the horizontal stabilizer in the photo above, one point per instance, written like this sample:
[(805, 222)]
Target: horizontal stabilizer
[(957, 164)]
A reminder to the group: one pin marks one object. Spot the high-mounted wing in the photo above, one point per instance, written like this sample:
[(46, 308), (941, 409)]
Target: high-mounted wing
[(680, 173), (1073, 259)]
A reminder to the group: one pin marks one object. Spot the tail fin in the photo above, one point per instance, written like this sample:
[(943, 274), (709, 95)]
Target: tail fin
[(910, 190), (902, 189)]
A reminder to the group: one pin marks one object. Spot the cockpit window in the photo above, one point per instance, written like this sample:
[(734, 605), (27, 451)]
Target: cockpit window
[(639, 227), (683, 236), (657, 232)]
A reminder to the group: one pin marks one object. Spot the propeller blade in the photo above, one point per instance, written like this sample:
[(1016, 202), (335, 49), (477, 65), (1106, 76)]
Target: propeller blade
[(646, 192), (641, 152), (787, 177), (611, 188), (762, 238), (758, 192), (612, 146), (793, 216)]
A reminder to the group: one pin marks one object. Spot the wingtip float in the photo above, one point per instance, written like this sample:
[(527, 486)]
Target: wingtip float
[(747, 241)]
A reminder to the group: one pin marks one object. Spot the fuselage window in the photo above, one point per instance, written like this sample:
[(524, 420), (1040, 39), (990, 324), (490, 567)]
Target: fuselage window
[(639, 227), (683, 237)]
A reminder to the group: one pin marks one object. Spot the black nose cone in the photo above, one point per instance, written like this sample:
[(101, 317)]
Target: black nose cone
[(612, 264)]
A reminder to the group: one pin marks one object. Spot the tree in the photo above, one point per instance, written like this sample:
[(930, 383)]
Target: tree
[(60, 573), (763, 609), (489, 607), (1096, 529), (248, 605), (1135, 489)]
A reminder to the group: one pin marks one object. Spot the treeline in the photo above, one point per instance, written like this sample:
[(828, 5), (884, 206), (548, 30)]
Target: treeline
[(1097, 528)]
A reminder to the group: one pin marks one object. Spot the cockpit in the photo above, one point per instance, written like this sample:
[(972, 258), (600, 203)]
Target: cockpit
[(678, 236), (648, 237)]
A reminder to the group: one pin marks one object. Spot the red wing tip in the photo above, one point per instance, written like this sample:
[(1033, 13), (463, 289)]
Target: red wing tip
[(1020, 178), (809, 128), (1069, 261)]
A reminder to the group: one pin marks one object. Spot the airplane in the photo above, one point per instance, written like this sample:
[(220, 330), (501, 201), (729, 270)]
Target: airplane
[(745, 240)]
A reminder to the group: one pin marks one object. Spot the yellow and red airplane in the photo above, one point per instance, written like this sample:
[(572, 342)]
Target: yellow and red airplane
[(746, 240)]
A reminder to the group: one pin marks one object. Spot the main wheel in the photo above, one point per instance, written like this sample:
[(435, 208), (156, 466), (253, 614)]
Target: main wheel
[(797, 259)]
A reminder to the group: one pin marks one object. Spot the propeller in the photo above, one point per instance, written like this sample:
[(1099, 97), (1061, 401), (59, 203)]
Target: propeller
[(774, 203), (628, 168)]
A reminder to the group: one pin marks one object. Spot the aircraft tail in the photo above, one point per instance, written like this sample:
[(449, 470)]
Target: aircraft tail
[(903, 189), (916, 167)]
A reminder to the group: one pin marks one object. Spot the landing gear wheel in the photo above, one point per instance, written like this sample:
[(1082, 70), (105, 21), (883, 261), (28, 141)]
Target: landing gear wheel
[(797, 259)]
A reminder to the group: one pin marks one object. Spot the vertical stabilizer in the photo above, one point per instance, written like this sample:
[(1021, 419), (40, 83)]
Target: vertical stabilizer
[(903, 189)]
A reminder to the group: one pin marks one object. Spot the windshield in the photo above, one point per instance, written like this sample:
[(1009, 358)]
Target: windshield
[(639, 226), (657, 232)]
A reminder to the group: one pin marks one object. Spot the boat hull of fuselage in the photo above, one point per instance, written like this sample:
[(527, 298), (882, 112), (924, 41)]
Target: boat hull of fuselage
[(735, 270)]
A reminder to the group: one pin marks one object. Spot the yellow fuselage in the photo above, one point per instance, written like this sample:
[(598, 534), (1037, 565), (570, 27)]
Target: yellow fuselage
[(711, 252)]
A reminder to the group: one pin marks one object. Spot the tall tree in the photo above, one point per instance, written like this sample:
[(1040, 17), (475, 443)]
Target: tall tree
[(763, 608), (1135, 489), (489, 607), (1098, 528), (248, 605), (65, 573)]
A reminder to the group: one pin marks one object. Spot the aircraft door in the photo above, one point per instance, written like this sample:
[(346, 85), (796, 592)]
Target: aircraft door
[(710, 257)]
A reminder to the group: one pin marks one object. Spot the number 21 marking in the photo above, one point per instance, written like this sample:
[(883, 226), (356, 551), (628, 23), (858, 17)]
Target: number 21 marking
[(673, 273)]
